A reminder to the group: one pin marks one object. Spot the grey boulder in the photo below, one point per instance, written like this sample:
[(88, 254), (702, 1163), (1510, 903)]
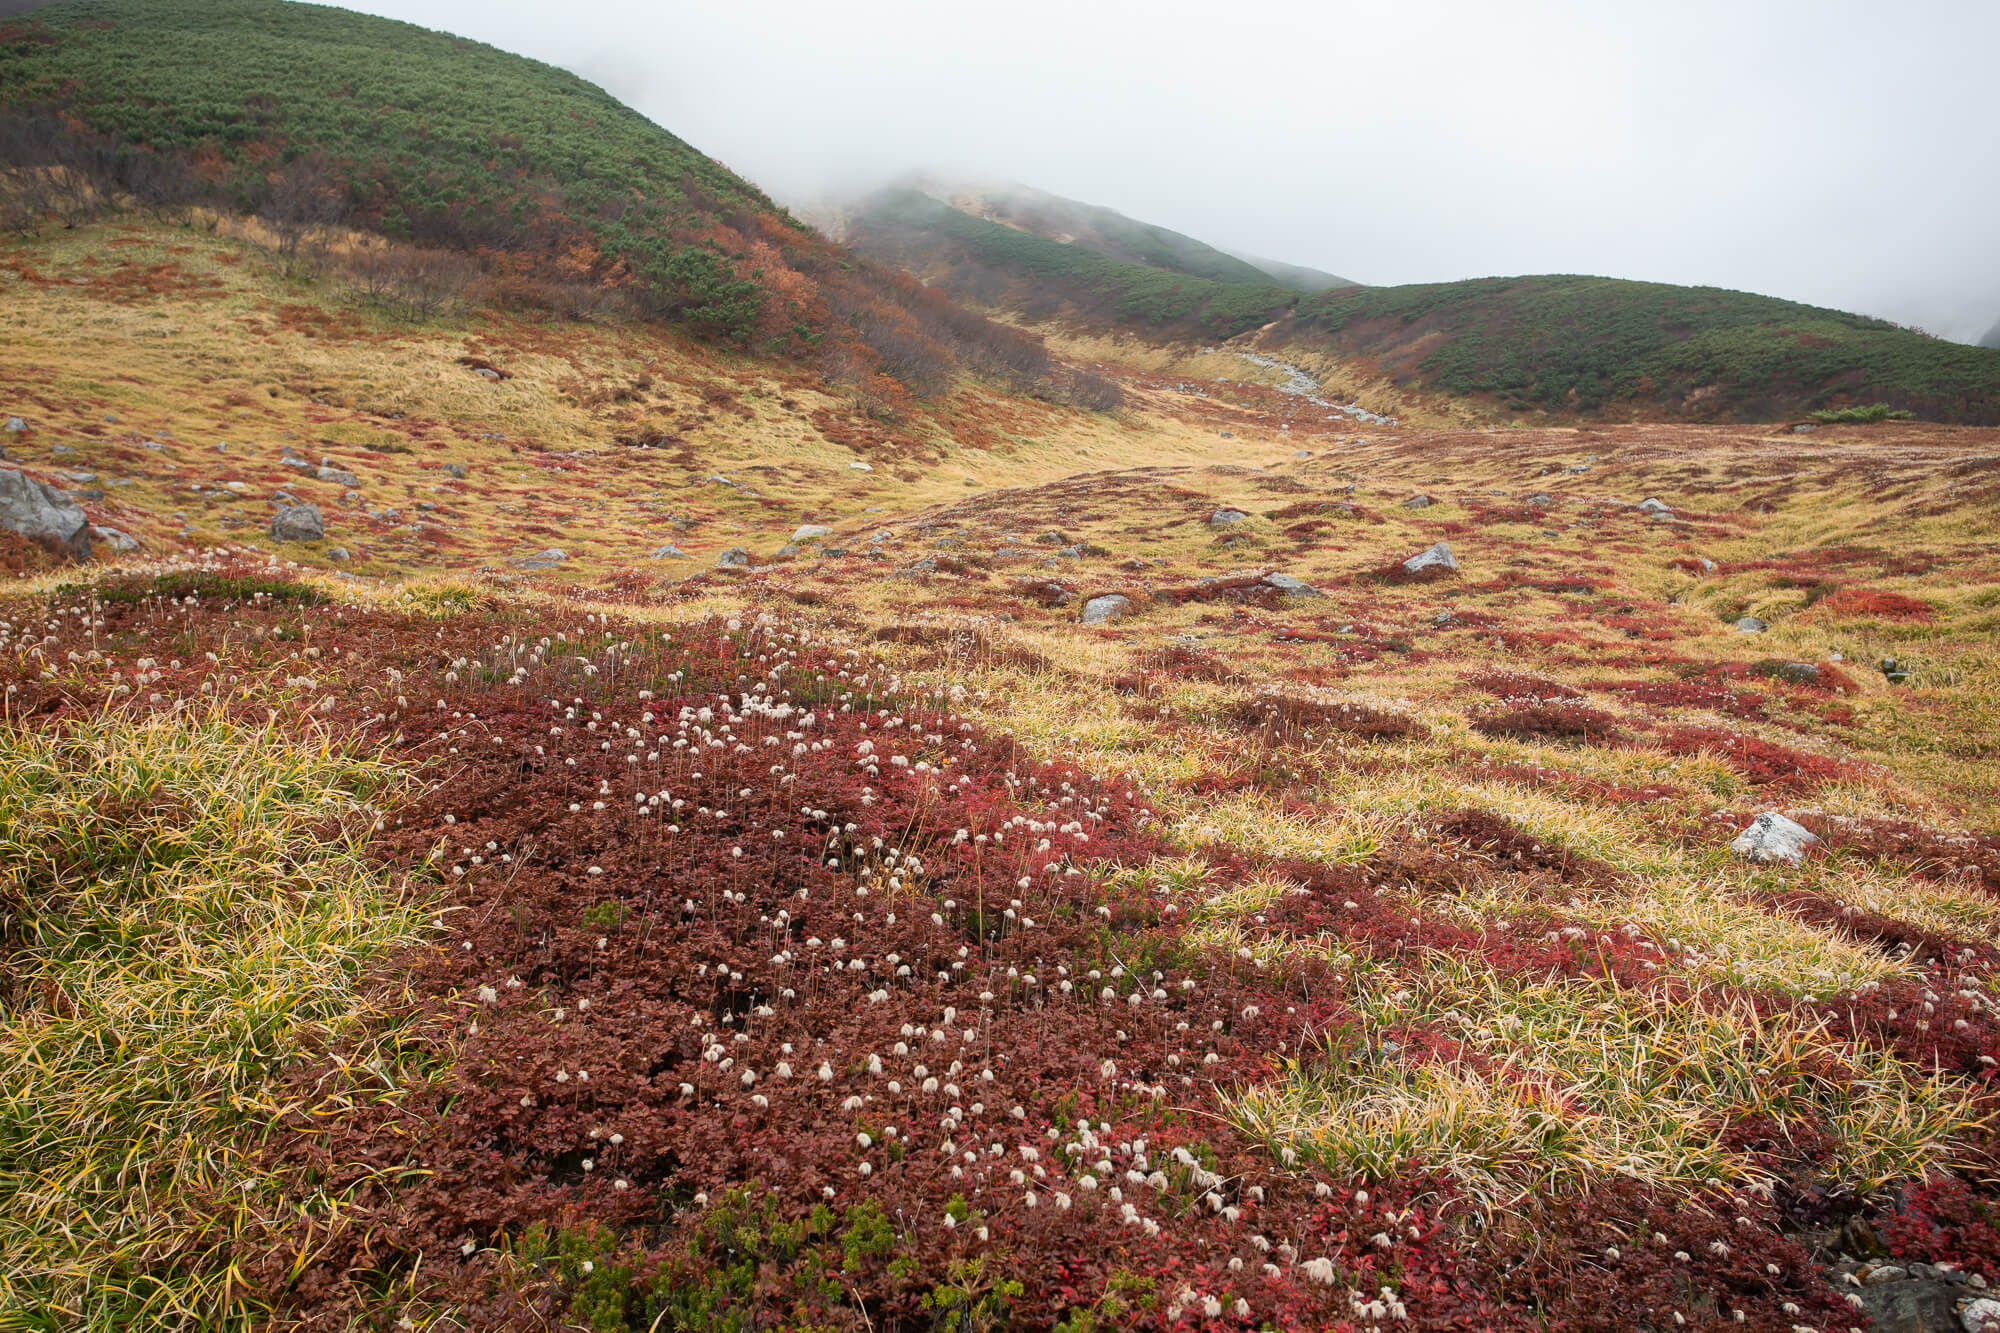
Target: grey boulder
[(1437, 557), (338, 475), (668, 552), (298, 523), (1751, 625), (455, 469), (733, 558), (548, 559), (43, 514), (1098, 610), (1772, 837), (1224, 517), (807, 532), (15, 425), (1651, 506), (1419, 502), (1290, 586), (122, 543)]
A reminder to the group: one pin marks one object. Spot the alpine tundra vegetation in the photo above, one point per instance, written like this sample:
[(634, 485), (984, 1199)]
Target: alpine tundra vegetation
[(576, 755)]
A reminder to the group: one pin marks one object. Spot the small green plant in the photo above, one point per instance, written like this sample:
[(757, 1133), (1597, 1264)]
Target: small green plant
[(1861, 416)]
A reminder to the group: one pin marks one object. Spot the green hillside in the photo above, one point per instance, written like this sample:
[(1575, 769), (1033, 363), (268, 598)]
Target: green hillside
[(1586, 343), (319, 118), (1105, 231), (1004, 266), (1298, 277), (1545, 343), (435, 136)]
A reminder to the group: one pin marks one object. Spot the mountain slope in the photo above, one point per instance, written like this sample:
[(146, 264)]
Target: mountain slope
[(1549, 343), (1297, 276), (320, 119), (1992, 338), (1561, 341)]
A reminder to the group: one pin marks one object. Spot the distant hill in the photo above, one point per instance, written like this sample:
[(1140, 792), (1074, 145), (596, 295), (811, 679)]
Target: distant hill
[(1296, 276), (317, 116), (1113, 235), (1992, 338), (1542, 343)]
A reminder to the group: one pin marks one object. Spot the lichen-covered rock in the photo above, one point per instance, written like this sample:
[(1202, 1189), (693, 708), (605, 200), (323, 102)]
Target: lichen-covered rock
[(1290, 586), (1224, 517), (809, 532), (733, 558), (1772, 837), (43, 514), (1437, 557), (668, 552), (1751, 625), (1111, 606), (298, 523)]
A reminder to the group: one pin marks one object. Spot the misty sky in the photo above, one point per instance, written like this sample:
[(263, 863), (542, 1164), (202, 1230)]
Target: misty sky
[(1839, 152)]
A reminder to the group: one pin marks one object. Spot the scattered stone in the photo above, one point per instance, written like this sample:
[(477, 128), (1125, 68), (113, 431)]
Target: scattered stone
[(1896, 673), (1437, 557), (1224, 517), (719, 479), (1228, 435), (1541, 498), (293, 460), (1772, 837), (926, 565), (860, 467), (787, 551), (1707, 565), (486, 374), (1303, 453), (1577, 470), (1804, 428), (15, 425), (1880, 1273), (733, 558), (122, 543), (1290, 586), (1911, 1307), (832, 550), (1981, 1315), (1655, 507), (548, 559), (339, 476), (339, 555), (455, 469), (1751, 625), (1798, 673), (43, 514), (810, 532), (298, 523), (1419, 502), (1098, 610), (155, 446), (668, 552)]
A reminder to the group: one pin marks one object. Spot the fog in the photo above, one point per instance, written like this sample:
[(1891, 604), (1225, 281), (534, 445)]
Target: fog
[(1837, 152)]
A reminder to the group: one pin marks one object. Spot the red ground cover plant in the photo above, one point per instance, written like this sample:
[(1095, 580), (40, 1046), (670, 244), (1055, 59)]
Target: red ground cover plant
[(1876, 604), (1761, 763), (1547, 720), (773, 996), (1703, 694), (1911, 847), (1277, 718)]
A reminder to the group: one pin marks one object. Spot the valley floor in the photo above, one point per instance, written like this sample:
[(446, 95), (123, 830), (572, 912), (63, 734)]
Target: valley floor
[(854, 937)]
